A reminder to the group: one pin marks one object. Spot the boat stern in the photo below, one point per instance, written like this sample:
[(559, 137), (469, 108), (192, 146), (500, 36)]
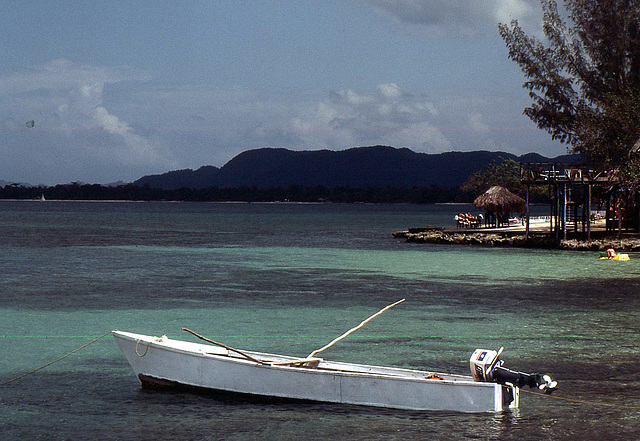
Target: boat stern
[(507, 397)]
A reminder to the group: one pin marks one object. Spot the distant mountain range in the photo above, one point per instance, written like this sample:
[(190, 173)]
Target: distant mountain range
[(360, 167)]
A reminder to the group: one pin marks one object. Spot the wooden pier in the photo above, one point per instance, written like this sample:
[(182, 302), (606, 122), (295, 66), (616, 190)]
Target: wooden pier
[(571, 190)]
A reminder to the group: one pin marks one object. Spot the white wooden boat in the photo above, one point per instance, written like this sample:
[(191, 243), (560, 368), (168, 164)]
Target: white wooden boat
[(165, 362)]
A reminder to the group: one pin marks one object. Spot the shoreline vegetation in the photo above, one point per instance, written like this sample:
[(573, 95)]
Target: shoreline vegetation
[(433, 194)]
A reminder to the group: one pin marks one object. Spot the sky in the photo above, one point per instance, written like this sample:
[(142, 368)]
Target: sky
[(121, 89)]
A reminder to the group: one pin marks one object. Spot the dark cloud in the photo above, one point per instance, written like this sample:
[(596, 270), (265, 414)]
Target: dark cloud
[(457, 17)]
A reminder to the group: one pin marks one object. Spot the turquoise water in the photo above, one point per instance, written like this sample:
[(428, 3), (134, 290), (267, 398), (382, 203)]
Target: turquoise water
[(288, 279)]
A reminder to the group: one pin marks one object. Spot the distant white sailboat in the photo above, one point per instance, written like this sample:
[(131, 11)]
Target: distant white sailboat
[(42, 199)]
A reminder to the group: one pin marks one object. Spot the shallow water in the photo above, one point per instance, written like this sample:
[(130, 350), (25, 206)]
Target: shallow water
[(288, 279)]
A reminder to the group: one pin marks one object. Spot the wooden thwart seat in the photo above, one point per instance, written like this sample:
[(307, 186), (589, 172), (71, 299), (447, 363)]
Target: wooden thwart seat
[(309, 362)]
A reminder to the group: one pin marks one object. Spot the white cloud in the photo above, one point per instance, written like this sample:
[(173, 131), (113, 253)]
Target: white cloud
[(388, 117), (419, 137), (66, 101), (228, 121), (210, 125), (103, 124), (136, 148), (353, 98), (390, 90), (110, 123), (477, 123), (63, 75)]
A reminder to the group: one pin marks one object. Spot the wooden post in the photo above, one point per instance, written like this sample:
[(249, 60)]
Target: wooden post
[(564, 212), (526, 230), (588, 204), (553, 192), (556, 216), (619, 214)]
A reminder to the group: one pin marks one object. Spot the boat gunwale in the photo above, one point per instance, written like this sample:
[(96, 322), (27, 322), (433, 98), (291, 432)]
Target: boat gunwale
[(340, 368)]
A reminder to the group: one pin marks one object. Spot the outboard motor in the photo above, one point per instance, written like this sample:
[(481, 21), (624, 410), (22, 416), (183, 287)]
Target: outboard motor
[(486, 366)]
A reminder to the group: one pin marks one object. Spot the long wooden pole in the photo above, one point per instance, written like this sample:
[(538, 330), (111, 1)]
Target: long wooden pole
[(222, 345), (354, 329)]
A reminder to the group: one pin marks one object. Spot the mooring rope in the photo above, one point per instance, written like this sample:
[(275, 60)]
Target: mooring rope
[(145, 351), (55, 361), (575, 400)]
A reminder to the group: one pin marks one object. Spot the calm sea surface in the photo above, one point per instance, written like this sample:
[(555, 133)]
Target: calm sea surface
[(288, 279)]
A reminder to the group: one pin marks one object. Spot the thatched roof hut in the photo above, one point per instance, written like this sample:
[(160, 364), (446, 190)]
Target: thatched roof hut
[(499, 200)]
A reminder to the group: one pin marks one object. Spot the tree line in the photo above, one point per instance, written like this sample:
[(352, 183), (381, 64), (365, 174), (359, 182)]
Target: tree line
[(293, 193), (433, 194)]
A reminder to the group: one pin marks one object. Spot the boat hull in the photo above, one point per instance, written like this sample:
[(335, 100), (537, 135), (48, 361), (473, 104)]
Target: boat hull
[(162, 362)]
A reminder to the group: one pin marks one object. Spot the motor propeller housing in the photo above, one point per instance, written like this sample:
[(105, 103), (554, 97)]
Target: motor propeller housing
[(486, 366)]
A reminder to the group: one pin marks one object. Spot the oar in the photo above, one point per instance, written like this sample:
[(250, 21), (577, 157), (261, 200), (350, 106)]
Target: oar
[(229, 348), (355, 329)]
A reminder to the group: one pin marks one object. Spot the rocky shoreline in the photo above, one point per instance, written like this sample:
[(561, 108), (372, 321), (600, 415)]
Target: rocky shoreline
[(436, 235)]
